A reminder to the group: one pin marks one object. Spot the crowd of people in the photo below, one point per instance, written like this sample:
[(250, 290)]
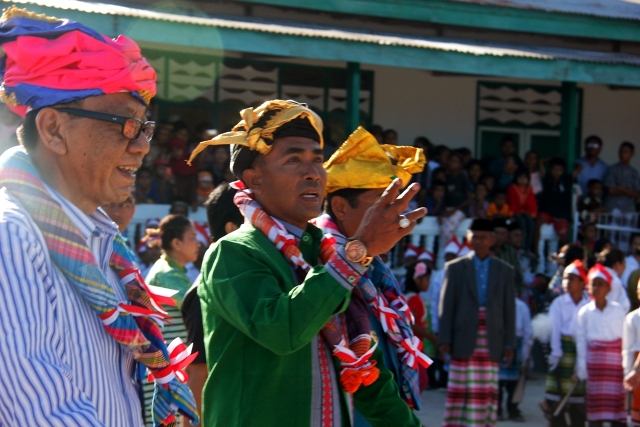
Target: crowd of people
[(290, 310)]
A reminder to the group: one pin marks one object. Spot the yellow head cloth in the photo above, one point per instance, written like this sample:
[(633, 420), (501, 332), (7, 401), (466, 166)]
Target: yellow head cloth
[(253, 130), (361, 162)]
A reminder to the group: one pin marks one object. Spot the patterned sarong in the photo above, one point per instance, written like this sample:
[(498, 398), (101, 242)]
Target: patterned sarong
[(564, 375), (605, 393), (472, 392), (512, 372)]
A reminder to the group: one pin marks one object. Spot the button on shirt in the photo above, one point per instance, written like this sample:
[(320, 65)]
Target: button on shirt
[(482, 278)]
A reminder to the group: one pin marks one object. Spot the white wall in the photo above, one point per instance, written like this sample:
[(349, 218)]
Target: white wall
[(442, 108)]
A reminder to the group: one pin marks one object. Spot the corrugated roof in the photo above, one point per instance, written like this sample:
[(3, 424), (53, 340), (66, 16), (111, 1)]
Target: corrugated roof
[(617, 9), (313, 31)]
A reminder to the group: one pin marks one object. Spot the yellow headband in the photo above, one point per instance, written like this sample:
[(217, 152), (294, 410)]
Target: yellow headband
[(253, 136), (362, 163)]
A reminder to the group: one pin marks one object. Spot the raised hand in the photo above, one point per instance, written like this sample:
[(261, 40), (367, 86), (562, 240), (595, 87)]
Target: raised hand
[(380, 228)]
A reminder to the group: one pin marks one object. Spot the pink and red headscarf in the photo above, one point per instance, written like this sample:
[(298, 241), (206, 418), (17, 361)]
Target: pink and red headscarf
[(50, 61), (598, 271), (577, 268)]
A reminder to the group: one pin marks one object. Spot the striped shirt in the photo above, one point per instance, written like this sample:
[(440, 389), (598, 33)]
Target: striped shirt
[(60, 367)]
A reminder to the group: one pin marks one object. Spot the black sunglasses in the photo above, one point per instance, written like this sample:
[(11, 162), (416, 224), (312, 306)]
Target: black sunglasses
[(131, 127)]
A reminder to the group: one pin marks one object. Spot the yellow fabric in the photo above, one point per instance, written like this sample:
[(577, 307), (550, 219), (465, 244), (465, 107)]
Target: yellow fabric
[(248, 135), (361, 162)]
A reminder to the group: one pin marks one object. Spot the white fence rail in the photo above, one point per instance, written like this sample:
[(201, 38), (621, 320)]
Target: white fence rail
[(617, 227)]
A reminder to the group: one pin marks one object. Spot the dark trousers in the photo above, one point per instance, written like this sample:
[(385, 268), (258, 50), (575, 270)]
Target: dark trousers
[(510, 387), (575, 412), (437, 375)]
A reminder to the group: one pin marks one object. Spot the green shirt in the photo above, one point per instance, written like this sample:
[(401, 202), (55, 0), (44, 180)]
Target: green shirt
[(166, 273), (261, 330)]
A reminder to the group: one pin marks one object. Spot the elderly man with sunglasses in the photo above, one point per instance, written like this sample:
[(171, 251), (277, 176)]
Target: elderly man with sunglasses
[(76, 317)]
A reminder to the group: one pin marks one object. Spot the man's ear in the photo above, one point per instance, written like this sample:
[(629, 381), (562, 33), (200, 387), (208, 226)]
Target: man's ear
[(253, 179), (50, 124), (230, 227), (339, 207)]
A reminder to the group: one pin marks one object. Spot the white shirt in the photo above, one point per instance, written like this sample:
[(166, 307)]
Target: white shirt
[(631, 265), (523, 328), (618, 293), (596, 325), (59, 365), (563, 313), (630, 340)]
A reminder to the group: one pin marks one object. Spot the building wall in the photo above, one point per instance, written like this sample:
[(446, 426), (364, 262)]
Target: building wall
[(442, 108)]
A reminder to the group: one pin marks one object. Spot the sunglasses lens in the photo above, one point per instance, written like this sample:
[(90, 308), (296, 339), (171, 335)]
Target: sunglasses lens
[(131, 129), (148, 130)]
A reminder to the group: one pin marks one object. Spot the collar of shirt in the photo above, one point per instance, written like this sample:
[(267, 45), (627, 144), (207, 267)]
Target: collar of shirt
[(173, 263), (86, 224), (481, 263)]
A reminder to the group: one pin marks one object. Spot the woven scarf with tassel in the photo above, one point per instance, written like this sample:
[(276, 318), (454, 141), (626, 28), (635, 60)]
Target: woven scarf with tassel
[(134, 324)]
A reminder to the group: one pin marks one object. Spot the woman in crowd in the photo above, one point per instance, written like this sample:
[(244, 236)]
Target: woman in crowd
[(524, 206), (179, 246)]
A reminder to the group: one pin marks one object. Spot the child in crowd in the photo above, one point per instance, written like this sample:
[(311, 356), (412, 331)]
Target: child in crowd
[(474, 172), (562, 360), (527, 259), (630, 349), (599, 344), (508, 376), (499, 207), (479, 204), (592, 201), (523, 205), (417, 283), (144, 192), (490, 182), (535, 167), (566, 255)]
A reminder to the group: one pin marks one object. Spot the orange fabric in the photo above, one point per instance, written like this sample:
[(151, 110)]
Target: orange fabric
[(493, 210)]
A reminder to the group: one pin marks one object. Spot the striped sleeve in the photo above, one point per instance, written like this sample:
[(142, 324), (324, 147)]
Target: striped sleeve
[(36, 387), (345, 272)]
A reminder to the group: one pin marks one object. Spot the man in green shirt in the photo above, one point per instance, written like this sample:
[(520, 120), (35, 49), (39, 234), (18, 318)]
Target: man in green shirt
[(271, 310)]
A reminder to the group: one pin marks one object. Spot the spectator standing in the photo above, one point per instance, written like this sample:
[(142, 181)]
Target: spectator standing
[(622, 182), (590, 166), (179, 246), (477, 292), (535, 167), (524, 206), (598, 335), (562, 360), (473, 169)]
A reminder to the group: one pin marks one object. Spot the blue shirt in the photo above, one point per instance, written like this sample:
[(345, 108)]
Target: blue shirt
[(482, 278), (597, 171)]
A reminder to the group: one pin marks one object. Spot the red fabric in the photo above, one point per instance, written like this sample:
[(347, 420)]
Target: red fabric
[(416, 305), (522, 200), (605, 393), (77, 61)]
